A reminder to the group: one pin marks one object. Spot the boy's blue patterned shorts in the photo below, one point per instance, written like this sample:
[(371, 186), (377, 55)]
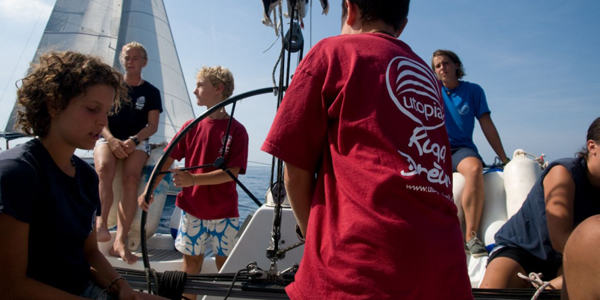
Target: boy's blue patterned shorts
[(194, 234)]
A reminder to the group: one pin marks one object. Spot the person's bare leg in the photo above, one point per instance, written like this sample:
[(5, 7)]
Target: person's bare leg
[(473, 194), (192, 265), (581, 262), (132, 169), (220, 261), (556, 283), (105, 163), (501, 273)]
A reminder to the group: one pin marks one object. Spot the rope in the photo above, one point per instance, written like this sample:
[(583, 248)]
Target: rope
[(171, 284), (280, 58), (275, 41), (311, 24), (540, 160), (148, 274), (233, 283), (259, 163), (536, 280)]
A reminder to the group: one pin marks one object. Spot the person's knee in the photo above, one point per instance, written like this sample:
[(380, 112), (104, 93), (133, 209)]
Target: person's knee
[(580, 262), (132, 168), (131, 179), (471, 167), (193, 263), (585, 237), (105, 170)]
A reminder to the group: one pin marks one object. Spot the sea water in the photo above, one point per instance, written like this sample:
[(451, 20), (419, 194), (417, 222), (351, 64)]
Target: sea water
[(256, 179)]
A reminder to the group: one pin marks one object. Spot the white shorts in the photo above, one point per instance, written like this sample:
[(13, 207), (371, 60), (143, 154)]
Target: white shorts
[(143, 146), (194, 233)]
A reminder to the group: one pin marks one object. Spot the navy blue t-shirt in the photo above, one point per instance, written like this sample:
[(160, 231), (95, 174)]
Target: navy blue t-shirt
[(528, 228), (133, 116), (60, 210)]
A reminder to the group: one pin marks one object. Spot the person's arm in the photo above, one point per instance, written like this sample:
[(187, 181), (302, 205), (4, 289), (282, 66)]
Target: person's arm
[(491, 134), (14, 282), (103, 273), (141, 199), (115, 145), (146, 132), (185, 178), (299, 186), (559, 194)]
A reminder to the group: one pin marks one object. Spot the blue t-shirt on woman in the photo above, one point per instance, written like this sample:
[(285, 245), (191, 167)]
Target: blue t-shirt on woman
[(462, 105)]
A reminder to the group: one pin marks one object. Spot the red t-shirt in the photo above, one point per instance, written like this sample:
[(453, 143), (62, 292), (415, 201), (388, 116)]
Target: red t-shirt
[(365, 113), (202, 145)]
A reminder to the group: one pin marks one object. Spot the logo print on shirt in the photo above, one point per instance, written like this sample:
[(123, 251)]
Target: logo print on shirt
[(464, 109), (140, 102), (229, 139), (414, 90)]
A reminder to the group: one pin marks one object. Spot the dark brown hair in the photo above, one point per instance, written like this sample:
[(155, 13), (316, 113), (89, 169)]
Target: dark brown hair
[(592, 134), (460, 72), (55, 81)]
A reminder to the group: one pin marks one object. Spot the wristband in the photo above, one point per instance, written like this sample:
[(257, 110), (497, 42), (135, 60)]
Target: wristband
[(134, 139), (113, 282)]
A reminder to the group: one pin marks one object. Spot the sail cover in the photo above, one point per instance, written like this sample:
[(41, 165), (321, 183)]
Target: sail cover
[(101, 28)]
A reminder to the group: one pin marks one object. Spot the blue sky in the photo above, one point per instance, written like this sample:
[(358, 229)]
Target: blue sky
[(535, 59)]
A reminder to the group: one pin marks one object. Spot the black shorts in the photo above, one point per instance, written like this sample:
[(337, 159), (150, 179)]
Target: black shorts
[(529, 262)]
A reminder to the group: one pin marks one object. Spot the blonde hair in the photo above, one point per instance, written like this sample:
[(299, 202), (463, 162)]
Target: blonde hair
[(132, 45), (58, 78), (218, 75)]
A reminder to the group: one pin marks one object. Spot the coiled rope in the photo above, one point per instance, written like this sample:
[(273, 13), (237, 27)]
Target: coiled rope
[(171, 284), (536, 280)]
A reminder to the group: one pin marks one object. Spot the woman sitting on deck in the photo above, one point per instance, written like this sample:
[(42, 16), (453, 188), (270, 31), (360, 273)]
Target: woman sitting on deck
[(534, 239), (126, 137)]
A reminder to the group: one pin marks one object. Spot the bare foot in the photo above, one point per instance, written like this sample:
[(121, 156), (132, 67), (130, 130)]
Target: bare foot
[(120, 250), (102, 234)]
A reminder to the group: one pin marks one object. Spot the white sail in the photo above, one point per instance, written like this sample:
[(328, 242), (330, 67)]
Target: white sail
[(101, 28)]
